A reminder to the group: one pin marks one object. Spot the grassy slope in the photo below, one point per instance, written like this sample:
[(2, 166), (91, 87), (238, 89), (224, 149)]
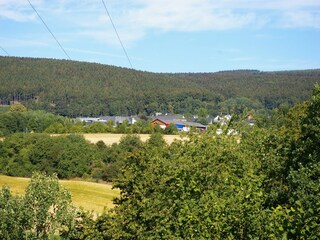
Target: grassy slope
[(90, 196)]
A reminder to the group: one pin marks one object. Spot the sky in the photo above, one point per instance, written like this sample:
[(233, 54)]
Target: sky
[(167, 35)]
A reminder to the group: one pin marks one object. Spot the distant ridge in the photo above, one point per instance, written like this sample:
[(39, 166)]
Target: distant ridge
[(73, 88)]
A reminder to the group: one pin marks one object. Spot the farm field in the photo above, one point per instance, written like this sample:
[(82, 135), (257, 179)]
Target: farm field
[(109, 138), (90, 196)]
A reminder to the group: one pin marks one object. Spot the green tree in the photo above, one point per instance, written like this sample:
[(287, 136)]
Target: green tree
[(202, 113), (48, 208), (97, 127), (304, 176), (205, 188), (156, 140), (11, 215), (45, 211), (18, 108), (171, 129), (68, 156)]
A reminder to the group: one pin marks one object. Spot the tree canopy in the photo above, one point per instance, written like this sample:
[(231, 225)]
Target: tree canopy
[(72, 89)]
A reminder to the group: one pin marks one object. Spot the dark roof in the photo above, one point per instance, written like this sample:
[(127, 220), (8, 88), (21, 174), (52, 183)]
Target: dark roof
[(166, 118), (119, 119)]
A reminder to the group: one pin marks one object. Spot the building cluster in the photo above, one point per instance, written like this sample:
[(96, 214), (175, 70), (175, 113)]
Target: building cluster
[(163, 121), (104, 119)]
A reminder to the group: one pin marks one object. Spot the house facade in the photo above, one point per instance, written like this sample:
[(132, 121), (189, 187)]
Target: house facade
[(180, 123)]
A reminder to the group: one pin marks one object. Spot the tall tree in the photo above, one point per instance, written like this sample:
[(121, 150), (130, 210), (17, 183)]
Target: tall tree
[(44, 211)]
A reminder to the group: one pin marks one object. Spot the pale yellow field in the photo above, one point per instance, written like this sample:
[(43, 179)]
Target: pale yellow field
[(109, 138), (90, 196)]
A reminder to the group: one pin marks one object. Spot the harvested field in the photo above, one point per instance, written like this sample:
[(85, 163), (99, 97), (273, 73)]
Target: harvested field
[(87, 195), (109, 138)]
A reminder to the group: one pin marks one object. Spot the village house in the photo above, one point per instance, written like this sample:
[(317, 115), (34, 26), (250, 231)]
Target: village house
[(90, 120), (104, 119), (222, 119), (181, 123)]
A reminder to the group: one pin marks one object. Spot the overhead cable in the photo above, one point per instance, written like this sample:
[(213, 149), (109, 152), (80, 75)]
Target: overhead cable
[(115, 29), (5, 51), (49, 30)]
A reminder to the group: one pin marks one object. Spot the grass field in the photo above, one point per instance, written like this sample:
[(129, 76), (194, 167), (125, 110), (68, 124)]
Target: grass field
[(109, 138), (90, 196)]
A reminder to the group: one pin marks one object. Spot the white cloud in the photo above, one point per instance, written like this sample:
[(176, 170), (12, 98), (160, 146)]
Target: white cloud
[(186, 15), (135, 18), (301, 19), (17, 16), (194, 15), (16, 10)]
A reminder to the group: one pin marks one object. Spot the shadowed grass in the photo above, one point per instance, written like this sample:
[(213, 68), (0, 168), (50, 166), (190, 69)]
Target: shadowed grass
[(90, 196)]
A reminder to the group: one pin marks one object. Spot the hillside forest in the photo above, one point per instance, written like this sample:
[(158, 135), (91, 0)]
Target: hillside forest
[(73, 89)]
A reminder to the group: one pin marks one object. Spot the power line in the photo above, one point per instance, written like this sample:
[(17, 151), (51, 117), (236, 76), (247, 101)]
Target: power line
[(115, 29), (49, 30), (5, 51)]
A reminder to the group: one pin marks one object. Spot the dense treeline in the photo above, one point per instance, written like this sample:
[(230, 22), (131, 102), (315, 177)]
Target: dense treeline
[(255, 184), (73, 88), (68, 156), (15, 120), (29, 121)]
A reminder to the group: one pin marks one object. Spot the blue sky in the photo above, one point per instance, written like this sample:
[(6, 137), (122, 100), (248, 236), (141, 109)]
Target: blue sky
[(168, 35)]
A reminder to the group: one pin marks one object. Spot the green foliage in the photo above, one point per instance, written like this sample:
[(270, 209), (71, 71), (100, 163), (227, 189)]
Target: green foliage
[(202, 113), (11, 213), (304, 176), (68, 156), (4, 108), (40, 121), (130, 143), (45, 211), (97, 127), (171, 129), (30, 121), (239, 105), (261, 184), (156, 140), (47, 207), (87, 228), (18, 108), (202, 189), (75, 89)]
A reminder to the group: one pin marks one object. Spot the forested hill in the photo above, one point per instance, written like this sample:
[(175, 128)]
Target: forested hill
[(77, 88)]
